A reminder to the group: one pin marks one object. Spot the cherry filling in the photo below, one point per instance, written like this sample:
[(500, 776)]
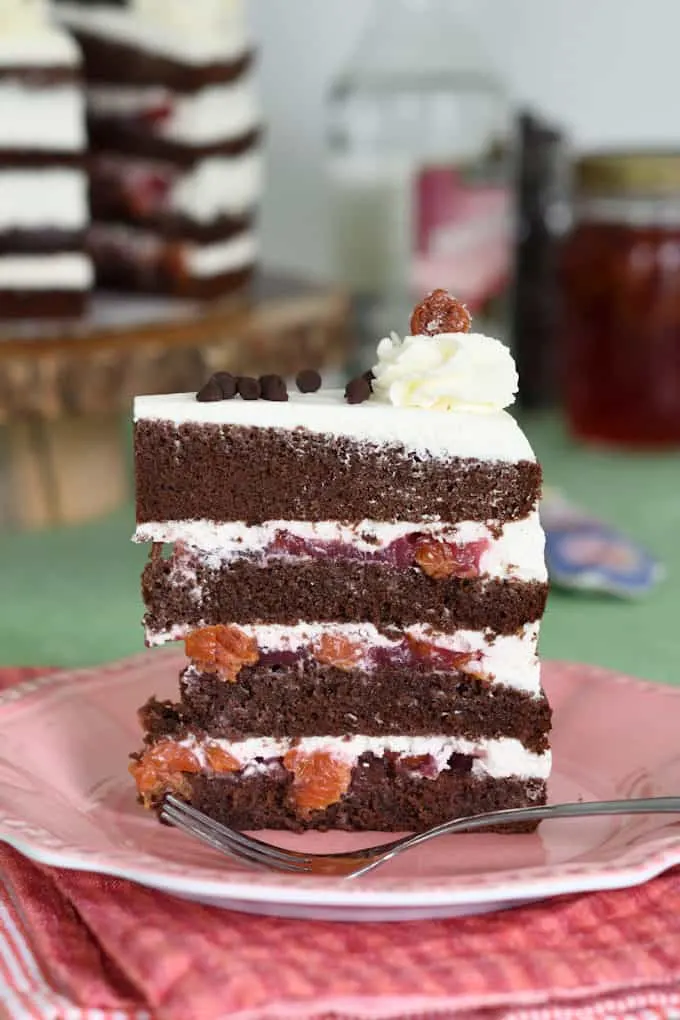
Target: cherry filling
[(156, 115), (146, 190), (437, 558), (404, 654), (319, 779)]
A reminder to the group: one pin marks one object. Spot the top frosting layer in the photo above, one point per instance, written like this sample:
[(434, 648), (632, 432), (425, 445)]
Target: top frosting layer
[(445, 372), (27, 37), (193, 32), (494, 436)]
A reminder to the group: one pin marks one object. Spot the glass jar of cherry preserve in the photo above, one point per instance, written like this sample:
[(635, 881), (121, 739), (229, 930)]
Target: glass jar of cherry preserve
[(621, 282)]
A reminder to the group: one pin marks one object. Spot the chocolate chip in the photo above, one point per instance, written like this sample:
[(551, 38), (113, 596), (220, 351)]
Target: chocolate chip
[(227, 383), (273, 387), (357, 390), (369, 377), (210, 392), (248, 388), (308, 381)]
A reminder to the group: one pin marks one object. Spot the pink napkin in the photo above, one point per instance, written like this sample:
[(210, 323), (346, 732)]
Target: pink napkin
[(78, 945)]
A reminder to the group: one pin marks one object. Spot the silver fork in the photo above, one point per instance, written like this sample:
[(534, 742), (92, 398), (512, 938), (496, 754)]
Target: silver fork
[(359, 862)]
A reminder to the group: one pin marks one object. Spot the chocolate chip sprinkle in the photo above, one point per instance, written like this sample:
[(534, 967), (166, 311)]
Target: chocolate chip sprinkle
[(357, 390), (248, 388), (210, 392), (308, 381), (227, 383), (273, 387)]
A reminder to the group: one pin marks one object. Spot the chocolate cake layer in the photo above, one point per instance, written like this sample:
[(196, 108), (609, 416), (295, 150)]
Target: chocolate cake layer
[(198, 471), (337, 591), (46, 241), (105, 60), (133, 137), (112, 202), (283, 702), (382, 797), (34, 76), (116, 272), (38, 159), (43, 304)]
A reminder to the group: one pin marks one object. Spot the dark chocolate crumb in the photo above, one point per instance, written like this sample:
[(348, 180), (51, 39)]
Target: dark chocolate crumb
[(308, 381), (227, 383), (273, 387), (248, 388), (357, 391), (210, 392)]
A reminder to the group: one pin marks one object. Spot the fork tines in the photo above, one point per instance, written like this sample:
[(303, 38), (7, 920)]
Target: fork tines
[(229, 841)]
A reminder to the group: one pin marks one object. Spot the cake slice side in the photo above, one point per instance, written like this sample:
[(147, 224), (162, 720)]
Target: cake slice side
[(360, 590)]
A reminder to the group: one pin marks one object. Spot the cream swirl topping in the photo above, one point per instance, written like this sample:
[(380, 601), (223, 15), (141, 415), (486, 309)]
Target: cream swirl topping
[(447, 372)]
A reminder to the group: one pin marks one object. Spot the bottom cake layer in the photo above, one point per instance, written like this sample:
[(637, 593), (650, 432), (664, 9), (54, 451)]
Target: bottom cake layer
[(43, 304), (388, 793)]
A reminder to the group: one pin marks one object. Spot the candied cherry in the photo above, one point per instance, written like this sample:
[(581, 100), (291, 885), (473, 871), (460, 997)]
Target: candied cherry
[(337, 650), (162, 768), (220, 760), (438, 657), (222, 650), (319, 779), (440, 313), (442, 560)]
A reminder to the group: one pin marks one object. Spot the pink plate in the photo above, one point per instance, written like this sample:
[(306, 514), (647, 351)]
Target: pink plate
[(66, 799)]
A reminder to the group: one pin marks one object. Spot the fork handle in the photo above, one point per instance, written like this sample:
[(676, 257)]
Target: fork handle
[(581, 809)]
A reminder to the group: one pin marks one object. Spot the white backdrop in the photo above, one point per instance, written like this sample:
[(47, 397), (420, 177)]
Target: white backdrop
[(608, 70)]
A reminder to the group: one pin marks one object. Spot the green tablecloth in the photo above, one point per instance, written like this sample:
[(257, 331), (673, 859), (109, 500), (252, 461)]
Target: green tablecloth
[(71, 597)]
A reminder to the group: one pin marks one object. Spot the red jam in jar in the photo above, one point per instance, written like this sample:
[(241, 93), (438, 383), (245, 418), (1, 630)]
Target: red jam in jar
[(621, 279)]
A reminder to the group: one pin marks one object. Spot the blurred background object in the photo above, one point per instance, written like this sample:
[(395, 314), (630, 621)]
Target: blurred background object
[(621, 322), (542, 217), (421, 172)]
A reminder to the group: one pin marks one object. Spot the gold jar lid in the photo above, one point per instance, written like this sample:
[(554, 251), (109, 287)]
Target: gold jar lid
[(626, 173)]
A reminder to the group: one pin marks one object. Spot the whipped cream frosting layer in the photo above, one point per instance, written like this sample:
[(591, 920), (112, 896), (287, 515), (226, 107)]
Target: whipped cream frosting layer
[(35, 44), (71, 271), (50, 119), (181, 30), (509, 661), (53, 198), (443, 434), (517, 553), (200, 261), (500, 758), (220, 186), (216, 114)]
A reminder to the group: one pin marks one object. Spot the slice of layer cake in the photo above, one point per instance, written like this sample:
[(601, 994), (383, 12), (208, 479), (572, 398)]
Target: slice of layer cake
[(359, 580), (175, 126), (44, 270)]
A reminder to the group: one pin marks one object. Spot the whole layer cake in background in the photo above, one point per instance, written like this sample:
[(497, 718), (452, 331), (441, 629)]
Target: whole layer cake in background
[(359, 580), (175, 136), (44, 270)]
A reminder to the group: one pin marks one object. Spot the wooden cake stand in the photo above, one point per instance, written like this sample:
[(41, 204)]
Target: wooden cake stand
[(66, 388)]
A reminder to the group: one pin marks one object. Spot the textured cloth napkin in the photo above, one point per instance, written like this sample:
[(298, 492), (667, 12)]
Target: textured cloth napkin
[(76, 946)]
